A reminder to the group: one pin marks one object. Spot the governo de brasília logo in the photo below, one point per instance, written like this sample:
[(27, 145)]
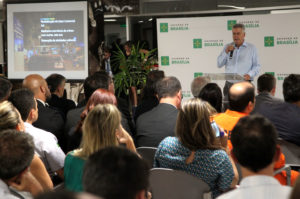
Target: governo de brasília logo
[(165, 61), (164, 27), (197, 43), (269, 41), (230, 24)]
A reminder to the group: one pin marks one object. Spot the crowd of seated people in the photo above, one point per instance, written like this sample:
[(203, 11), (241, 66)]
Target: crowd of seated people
[(92, 147)]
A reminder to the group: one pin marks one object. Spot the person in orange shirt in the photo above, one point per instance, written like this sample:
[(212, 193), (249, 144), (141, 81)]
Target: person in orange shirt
[(241, 102)]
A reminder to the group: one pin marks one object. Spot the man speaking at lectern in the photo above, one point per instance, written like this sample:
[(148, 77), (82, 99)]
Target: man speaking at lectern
[(239, 57)]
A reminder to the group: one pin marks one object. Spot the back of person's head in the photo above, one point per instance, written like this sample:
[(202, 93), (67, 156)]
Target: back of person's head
[(212, 93), (9, 116), (254, 142), (265, 83), (65, 194), (23, 100), (115, 173), (5, 88), (193, 126), (291, 88), (240, 94), (16, 153), (95, 81), (99, 129), (54, 81), (197, 84), (168, 87), (152, 78)]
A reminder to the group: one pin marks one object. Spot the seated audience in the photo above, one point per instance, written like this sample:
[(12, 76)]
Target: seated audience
[(101, 128), (64, 194), (16, 154), (114, 173), (46, 145), (56, 84), (197, 84), (286, 116), (241, 102), (153, 126), (212, 93), (5, 89), (196, 150), (49, 118), (149, 99), (254, 148), (10, 119), (266, 87)]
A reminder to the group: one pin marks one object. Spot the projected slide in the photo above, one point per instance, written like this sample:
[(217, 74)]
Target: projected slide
[(48, 41)]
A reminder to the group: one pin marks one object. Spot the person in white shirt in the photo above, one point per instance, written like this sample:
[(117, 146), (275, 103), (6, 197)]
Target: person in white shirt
[(254, 148), (46, 145)]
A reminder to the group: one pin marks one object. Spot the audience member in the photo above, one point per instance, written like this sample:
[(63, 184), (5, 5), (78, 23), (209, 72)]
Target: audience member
[(101, 128), (212, 93), (286, 116), (16, 154), (5, 89), (115, 173), (65, 194), (241, 102), (99, 80), (10, 119), (149, 99), (196, 150), (49, 118), (197, 84), (100, 96), (158, 123), (254, 148), (46, 145), (56, 84), (266, 87)]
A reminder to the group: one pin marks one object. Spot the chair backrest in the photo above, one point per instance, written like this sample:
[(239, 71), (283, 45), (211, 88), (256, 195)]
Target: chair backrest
[(169, 183), (291, 152), (147, 154)]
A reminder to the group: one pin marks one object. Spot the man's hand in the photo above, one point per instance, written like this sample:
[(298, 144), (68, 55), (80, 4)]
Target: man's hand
[(27, 182), (229, 48), (246, 77)]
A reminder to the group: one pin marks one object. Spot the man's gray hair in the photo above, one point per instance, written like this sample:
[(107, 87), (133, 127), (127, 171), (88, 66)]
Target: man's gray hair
[(197, 84), (239, 25)]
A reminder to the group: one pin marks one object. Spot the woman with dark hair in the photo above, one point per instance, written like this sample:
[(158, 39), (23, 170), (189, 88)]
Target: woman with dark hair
[(149, 99), (212, 93), (196, 149)]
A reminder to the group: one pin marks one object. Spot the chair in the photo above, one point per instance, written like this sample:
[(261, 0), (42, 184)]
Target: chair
[(291, 153), (169, 183), (147, 154)]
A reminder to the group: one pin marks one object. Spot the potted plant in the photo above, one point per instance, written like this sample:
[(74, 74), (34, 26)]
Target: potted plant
[(133, 68)]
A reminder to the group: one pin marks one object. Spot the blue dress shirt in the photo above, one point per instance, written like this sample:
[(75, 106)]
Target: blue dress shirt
[(244, 60)]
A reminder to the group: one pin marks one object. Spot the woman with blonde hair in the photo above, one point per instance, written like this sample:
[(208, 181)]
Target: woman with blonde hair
[(10, 119), (196, 149), (101, 128)]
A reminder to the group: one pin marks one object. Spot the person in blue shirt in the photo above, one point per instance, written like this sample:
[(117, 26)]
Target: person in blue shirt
[(239, 57)]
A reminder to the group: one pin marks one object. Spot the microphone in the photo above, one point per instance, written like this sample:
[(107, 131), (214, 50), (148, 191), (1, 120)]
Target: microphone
[(231, 53)]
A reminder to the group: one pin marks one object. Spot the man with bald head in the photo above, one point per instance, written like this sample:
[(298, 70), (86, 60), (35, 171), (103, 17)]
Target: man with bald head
[(241, 103), (49, 118)]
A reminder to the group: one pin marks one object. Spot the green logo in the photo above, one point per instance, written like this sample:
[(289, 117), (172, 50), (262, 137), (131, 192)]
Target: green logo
[(198, 75), (164, 27), (230, 24), (270, 73), (197, 43), (165, 60), (269, 41)]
